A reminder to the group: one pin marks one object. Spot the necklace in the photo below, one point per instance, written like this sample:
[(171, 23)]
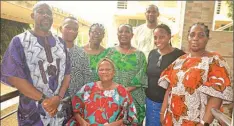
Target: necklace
[(190, 55), (92, 49), (122, 58), (102, 108), (92, 54)]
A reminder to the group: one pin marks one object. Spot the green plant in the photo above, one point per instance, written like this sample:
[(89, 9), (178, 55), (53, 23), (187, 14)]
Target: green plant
[(230, 8), (8, 30)]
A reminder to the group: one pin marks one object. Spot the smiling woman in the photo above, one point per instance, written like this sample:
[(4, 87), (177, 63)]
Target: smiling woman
[(130, 67), (102, 102)]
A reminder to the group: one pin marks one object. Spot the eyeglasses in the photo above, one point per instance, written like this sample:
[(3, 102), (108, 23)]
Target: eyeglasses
[(153, 12), (159, 61), (41, 12), (97, 33), (199, 35), (107, 70), (71, 29)]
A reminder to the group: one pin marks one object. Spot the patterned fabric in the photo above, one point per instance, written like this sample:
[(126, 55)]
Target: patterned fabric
[(81, 71), (99, 107), (44, 66), (94, 59), (143, 39), (192, 81), (131, 71)]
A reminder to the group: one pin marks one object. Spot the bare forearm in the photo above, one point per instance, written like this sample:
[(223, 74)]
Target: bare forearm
[(213, 102), (25, 88), (165, 102), (78, 118), (130, 89), (65, 85)]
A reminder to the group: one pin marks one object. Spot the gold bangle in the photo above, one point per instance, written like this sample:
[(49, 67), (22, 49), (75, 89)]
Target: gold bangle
[(161, 113)]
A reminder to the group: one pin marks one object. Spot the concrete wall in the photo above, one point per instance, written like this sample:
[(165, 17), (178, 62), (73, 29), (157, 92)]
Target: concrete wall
[(221, 41)]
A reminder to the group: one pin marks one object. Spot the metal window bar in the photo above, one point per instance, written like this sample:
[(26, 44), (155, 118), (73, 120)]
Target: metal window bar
[(6, 97), (122, 5), (218, 7)]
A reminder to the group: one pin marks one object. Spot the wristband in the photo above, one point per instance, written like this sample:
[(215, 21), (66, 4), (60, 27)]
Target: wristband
[(43, 97), (204, 123)]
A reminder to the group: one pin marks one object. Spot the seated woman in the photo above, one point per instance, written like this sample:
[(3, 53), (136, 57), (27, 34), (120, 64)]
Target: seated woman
[(102, 102)]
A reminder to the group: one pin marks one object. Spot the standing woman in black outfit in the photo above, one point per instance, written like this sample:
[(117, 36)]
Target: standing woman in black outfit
[(158, 60)]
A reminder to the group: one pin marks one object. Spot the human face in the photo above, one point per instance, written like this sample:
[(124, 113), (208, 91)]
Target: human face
[(43, 17), (151, 14), (96, 35), (197, 38), (69, 30), (106, 71), (161, 38), (124, 35)]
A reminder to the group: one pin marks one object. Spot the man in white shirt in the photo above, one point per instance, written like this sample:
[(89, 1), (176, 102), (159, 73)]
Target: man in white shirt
[(143, 38)]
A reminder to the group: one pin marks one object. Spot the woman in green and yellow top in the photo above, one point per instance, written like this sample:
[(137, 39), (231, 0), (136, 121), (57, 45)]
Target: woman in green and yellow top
[(93, 49), (130, 66)]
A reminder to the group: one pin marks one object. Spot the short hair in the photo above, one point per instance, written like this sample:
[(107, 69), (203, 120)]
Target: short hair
[(38, 4), (128, 26), (70, 17), (108, 60), (206, 29), (152, 5), (97, 25)]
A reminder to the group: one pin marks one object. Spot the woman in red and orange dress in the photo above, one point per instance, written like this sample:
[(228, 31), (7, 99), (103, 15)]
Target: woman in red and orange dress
[(195, 83)]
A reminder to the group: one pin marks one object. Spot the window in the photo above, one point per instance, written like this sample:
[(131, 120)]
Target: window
[(122, 5), (136, 22), (218, 7)]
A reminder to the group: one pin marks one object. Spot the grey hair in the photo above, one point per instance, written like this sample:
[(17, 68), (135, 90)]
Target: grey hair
[(38, 4), (128, 26)]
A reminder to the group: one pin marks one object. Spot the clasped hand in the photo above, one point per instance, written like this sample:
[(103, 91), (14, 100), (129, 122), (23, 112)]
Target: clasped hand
[(51, 104)]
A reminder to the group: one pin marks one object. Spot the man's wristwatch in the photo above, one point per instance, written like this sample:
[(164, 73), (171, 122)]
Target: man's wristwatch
[(204, 123), (43, 97)]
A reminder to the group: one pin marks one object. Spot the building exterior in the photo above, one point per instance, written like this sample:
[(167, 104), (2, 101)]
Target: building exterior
[(10, 10), (133, 12), (203, 11), (221, 21)]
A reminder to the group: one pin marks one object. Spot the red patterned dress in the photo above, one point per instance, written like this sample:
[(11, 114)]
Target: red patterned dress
[(100, 107), (191, 81)]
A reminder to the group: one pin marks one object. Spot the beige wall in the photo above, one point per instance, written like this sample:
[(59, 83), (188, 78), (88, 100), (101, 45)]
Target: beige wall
[(221, 41)]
